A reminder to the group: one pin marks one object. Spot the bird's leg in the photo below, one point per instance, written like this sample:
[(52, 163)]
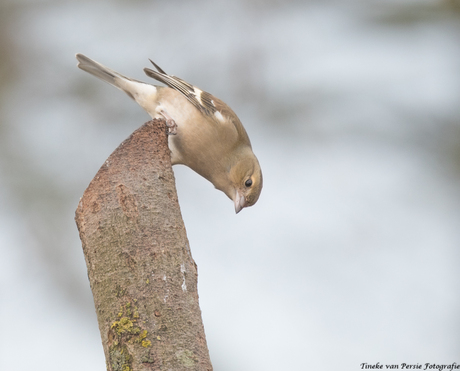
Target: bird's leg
[(170, 123)]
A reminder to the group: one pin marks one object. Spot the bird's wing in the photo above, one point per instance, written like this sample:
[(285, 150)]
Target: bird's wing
[(203, 101)]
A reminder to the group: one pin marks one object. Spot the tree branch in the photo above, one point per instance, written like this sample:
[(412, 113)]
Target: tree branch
[(140, 268)]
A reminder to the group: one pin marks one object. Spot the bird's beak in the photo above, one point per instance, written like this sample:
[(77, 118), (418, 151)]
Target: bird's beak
[(239, 201)]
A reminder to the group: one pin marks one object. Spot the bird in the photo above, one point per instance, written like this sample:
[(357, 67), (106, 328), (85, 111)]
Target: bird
[(205, 134)]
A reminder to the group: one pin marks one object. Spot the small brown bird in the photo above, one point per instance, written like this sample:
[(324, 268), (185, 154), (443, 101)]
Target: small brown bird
[(209, 138)]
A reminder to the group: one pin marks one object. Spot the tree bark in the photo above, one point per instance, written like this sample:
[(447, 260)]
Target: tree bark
[(140, 267)]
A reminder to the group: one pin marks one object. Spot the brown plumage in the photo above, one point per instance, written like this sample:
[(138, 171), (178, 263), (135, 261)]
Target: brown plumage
[(209, 138)]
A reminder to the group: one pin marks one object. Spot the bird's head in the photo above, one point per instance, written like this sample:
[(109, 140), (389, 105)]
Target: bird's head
[(246, 179)]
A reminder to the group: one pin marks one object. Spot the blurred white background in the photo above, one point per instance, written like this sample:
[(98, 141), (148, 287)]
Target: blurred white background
[(353, 108)]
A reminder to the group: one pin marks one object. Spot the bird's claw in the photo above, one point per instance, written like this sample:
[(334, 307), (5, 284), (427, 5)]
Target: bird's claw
[(172, 127), (170, 123)]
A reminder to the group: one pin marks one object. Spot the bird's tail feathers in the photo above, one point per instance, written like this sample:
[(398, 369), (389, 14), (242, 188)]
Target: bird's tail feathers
[(126, 84)]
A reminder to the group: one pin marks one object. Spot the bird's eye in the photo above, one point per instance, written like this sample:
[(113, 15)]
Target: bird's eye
[(248, 183)]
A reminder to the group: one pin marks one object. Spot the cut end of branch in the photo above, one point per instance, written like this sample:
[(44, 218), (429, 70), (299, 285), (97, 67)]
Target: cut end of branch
[(138, 259)]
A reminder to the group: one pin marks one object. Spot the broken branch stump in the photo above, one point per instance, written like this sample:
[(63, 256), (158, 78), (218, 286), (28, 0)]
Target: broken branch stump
[(140, 268)]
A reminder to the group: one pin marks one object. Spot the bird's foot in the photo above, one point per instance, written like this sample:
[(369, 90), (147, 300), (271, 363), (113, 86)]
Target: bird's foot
[(170, 123), (172, 127)]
